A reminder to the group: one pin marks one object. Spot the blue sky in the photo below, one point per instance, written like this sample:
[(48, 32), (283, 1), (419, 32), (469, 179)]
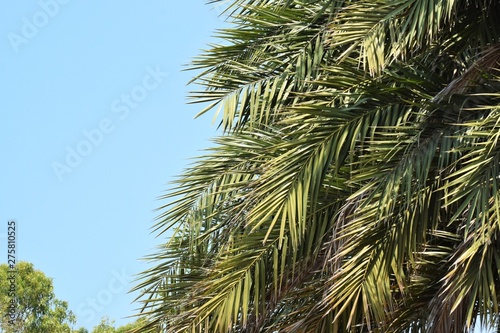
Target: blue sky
[(94, 124)]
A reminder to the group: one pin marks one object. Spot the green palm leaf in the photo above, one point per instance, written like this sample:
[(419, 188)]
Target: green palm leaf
[(355, 186)]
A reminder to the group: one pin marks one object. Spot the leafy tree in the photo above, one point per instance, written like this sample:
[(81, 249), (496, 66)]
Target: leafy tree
[(132, 327), (81, 330), (356, 185), (34, 306), (107, 326)]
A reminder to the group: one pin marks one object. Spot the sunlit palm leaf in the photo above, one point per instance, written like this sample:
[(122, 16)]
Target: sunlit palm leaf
[(355, 187)]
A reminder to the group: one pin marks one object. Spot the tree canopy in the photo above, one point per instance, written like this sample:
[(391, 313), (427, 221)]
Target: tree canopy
[(355, 187), (36, 309), (107, 326)]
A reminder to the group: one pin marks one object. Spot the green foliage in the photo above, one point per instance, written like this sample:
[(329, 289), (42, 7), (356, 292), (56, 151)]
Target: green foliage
[(132, 327), (35, 307), (81, 330), (356, 185), (107, 326)]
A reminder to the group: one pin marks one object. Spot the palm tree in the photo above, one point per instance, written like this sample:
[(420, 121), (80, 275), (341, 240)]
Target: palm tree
[(355, 186)]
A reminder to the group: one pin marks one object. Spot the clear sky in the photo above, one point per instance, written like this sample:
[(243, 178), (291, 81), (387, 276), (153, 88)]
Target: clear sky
[(94, 124)]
